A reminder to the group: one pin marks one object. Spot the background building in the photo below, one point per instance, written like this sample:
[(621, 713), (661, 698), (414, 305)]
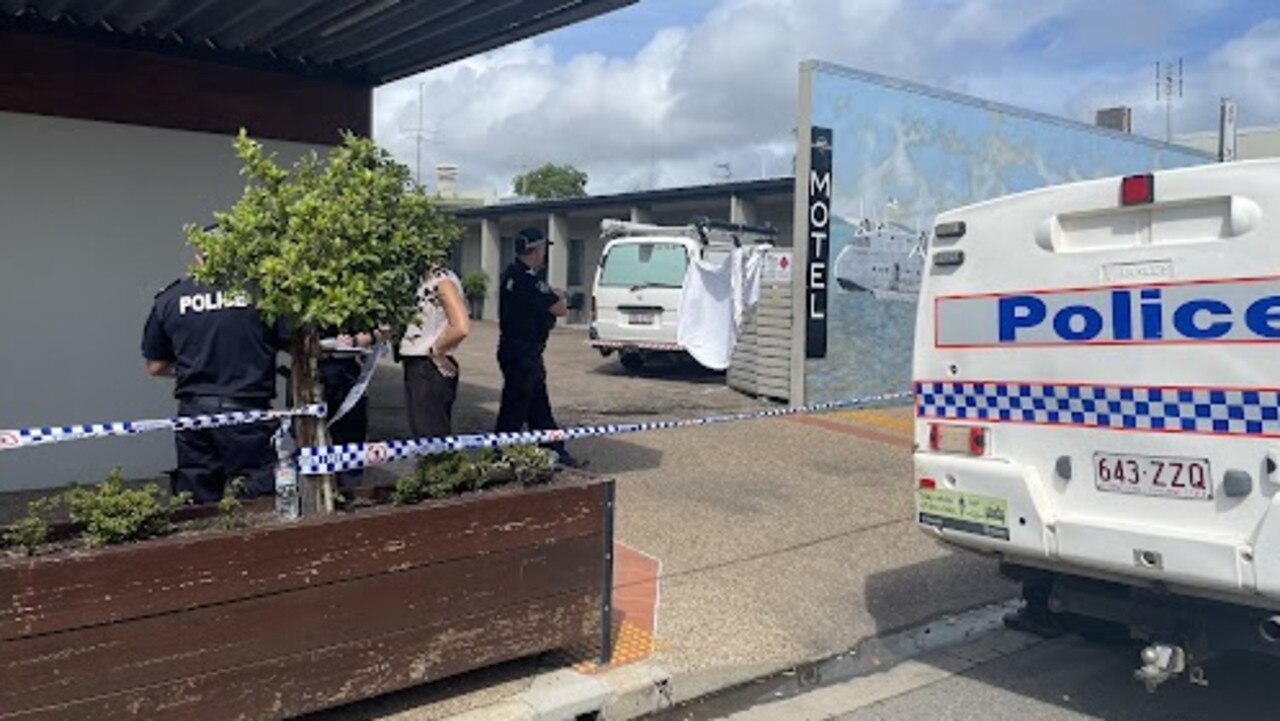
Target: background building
[(1251, 143), (574, 225)]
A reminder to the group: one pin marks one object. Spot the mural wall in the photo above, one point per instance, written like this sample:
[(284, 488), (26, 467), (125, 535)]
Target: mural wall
[(900, 154)]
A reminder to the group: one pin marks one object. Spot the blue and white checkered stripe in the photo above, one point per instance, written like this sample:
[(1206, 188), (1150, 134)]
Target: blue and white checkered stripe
[(1132, 408), (333, 459), (24, 437)]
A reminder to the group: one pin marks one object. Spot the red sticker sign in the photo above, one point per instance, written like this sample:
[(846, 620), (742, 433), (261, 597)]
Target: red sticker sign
[(377, 453), (10, 439)]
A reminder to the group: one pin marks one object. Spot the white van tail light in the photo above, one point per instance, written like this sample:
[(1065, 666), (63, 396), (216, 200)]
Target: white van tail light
[(958, 439), (928, 484), (1138, 189)]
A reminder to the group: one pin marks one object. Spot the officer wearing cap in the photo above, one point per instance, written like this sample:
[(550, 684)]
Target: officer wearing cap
[(223, 356), (527, 311)]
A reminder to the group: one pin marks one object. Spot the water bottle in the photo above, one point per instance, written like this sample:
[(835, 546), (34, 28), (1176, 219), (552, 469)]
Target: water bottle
[(287, 500)]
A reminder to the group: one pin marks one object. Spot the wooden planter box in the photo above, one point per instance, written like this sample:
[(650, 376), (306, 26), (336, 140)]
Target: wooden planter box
[(273, 622)]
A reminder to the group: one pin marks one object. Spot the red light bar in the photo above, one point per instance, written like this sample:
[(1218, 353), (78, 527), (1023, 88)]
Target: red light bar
[(1138, 189)]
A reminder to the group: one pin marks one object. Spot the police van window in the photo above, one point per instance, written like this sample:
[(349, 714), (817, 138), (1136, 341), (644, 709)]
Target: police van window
[(653, 265)]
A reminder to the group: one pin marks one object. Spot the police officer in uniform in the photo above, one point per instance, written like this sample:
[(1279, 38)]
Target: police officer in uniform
[(222, 355), (527, 311)]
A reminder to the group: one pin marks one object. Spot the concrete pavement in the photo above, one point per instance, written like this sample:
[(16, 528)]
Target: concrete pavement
[(781, 541)]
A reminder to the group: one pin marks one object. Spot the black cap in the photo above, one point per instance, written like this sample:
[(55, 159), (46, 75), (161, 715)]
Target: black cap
[(528, 239)]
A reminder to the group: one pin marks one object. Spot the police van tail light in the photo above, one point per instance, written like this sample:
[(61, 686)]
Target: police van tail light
[(958, 439), (928, 484), (1138, 189)]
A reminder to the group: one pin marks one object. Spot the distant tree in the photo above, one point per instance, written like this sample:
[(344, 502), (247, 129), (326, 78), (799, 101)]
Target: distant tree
[(551, 181)]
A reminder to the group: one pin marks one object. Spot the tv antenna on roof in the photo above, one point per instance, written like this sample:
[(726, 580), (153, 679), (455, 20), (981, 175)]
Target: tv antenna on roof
[(421, 132), (1168, 76)]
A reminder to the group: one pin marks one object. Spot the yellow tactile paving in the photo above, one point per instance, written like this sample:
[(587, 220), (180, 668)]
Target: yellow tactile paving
[(894, 422), (630, 644)]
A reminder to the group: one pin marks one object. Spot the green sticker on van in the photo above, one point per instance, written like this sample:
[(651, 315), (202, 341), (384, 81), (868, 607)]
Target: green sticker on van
[(965, 512)]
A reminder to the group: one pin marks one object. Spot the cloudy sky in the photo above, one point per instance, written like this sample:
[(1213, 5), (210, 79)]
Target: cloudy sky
[(661, 93)]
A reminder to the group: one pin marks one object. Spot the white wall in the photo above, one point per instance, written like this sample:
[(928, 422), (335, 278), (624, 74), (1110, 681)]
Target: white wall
[(91, 218)]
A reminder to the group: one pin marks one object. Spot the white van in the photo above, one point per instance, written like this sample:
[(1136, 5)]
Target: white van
[(635, 299), (1097, 381)]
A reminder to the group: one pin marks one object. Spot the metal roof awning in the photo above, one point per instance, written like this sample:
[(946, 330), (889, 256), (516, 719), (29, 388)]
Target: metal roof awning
[(366, 41)]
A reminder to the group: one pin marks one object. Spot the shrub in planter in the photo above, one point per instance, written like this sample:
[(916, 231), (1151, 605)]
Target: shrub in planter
[(231, 513), (31, 532), (107, 514), (112, 513), (526, 465), (341, 242), (438, 476), (451, 474)]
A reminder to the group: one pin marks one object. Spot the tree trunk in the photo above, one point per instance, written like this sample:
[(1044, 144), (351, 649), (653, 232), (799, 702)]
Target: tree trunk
[(315, 492)]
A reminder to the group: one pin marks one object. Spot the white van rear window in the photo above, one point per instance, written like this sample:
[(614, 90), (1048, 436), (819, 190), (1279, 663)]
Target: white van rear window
[(647, 265)]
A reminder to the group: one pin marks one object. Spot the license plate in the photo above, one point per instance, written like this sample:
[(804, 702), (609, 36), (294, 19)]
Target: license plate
[(642, 318), (1164, 476)]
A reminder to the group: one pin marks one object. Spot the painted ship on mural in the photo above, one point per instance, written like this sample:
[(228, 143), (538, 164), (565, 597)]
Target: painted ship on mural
[(885, 259)]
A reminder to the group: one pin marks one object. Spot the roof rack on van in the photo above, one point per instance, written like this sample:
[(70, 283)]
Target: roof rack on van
[(710, 232)]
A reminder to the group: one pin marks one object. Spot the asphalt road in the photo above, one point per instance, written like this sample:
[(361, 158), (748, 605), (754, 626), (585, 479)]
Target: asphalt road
[(1006, 675)]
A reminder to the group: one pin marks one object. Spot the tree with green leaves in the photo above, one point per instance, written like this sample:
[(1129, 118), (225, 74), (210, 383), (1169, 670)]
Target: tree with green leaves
[(551, 181), (341, 242)]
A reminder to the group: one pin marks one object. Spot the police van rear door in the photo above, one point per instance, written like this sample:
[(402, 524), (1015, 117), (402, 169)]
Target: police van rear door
[(1097, 371)]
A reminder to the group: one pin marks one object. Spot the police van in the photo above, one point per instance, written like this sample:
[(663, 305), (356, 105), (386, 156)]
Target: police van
[(635, 297), (1097, 389)]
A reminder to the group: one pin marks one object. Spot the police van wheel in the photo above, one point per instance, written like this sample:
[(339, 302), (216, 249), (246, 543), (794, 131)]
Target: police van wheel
[(632, 361)]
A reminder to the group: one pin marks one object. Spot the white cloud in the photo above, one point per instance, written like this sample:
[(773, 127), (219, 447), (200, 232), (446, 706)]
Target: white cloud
[(1248, 69), (725, 89)]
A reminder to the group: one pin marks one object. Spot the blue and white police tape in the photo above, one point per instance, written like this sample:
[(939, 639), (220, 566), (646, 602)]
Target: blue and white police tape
[(24, 437), (333, 459)]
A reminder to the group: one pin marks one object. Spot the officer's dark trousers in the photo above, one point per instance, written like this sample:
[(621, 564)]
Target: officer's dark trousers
[(429, 397), (524, 397), (208, 459), (339, 376)]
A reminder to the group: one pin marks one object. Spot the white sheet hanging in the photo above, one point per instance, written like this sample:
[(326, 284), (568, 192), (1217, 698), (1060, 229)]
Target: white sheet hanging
[(712, 304), (747, 269), (706, 327)]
